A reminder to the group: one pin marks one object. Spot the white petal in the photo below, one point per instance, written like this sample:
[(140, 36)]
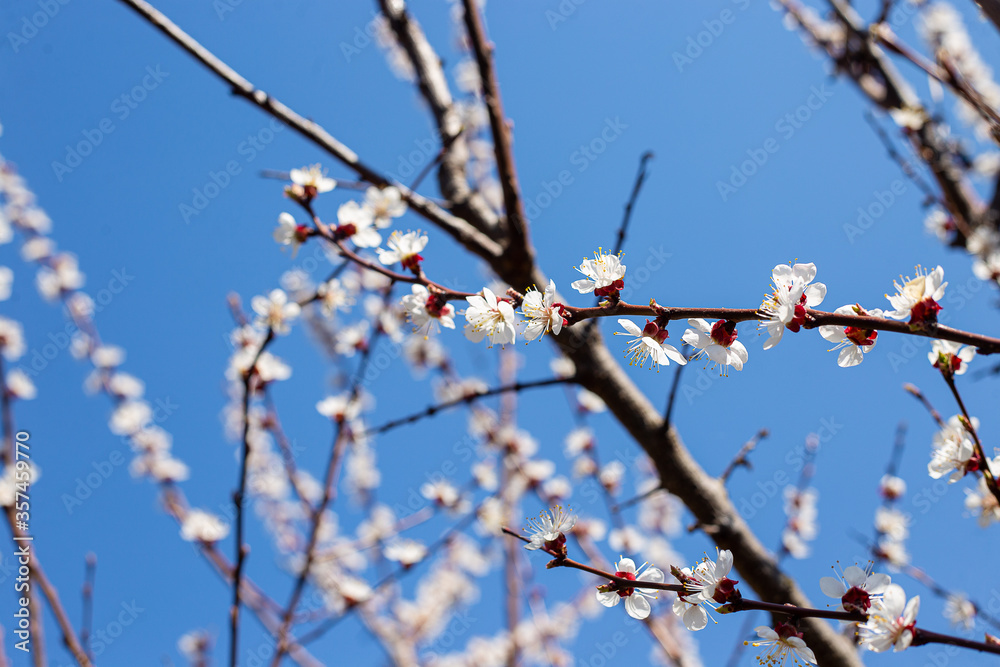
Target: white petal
[(695, 618), (630, 327), (832, 587), (609, 599), (637, 606)]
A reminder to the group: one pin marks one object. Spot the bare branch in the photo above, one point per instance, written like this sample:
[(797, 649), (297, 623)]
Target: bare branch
[(459, 229)]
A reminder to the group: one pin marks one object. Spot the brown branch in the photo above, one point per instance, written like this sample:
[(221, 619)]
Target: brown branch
[(342, 436), (37, 573), (741, 460), (432, 410), (518, 248), (433, 86), (922, 637), (914, 391), (238, 496), (459, 229), (814, 318), (86, 626), (640, 178)]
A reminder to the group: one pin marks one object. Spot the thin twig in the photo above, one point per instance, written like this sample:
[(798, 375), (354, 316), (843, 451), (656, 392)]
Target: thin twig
[(459, 229), (984, 462), (741, 460), (86, 626), (241, 550), (432, 410), (636, 188), (517, 222), (668, 415), (341, 438), (914, 391)]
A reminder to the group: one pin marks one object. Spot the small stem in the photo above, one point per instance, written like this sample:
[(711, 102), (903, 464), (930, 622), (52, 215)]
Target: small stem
[(741, 456), (984, 463), (921, 637)]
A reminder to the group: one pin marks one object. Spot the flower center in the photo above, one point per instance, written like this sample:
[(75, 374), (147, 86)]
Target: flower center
[(861, 337), (856, 599), (724, 332), (725, 590), (412, 262), (436, 303), (625, 592), (610, 290), (925, 312), (345, 231)]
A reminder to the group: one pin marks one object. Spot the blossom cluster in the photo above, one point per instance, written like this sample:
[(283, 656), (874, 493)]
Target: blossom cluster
[(887, 618)]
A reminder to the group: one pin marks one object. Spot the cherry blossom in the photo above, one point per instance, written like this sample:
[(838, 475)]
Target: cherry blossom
[(981, 501), (488, 316), (275, 311), (428, 311), (290, 233), (954, 452), (6, 282), (333, 297), (636, 603), (385, 204), (648, 343), (356, 223), (852, 342), (202, 526), (782, 641), (706, 585), (892, 487), (19, 385), (890, 622), (918, 298), (605, 275), (61, 276), (549, 530), (717, 342), (855, 588), (543, 313), (786, 305), (951, 357), (11, 339), (309, 182), (404, 248), (339, 408), (405, 552), (960, 610), (893, 523)]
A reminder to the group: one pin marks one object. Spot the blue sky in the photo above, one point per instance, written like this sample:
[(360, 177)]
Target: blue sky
[(588, 92)]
